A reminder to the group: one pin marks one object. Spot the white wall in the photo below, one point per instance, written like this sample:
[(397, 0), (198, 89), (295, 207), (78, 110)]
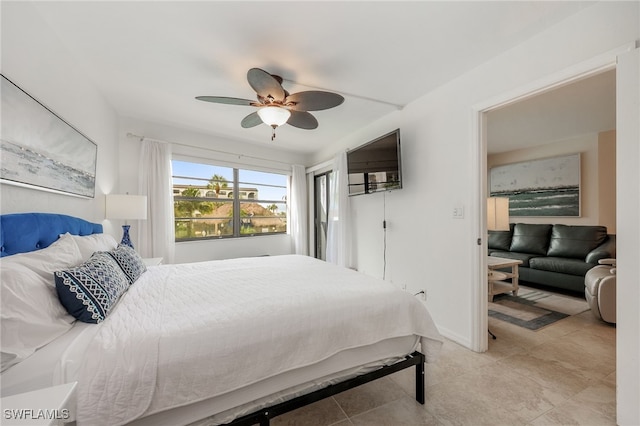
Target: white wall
[(34, 59), (194, 146), (628, 294), (438, 143), (426, 246)]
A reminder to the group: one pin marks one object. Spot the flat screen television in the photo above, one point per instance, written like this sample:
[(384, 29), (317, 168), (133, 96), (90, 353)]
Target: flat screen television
[(375, 166)]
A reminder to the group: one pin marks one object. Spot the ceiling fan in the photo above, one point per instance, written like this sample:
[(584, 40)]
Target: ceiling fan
[(276, 106)]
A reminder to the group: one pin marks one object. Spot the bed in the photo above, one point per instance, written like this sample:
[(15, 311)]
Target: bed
[(235, 341)]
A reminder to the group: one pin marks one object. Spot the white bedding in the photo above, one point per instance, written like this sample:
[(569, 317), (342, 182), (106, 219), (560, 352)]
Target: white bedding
[(54, 364), (189, 332)]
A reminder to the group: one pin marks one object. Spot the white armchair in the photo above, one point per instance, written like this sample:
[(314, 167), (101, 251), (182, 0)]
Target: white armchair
[(600, 290)]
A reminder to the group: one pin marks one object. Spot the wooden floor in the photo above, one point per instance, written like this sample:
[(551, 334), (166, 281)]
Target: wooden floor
[(563, 374)]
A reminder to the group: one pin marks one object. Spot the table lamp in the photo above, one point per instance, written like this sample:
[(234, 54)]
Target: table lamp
[(497, 214), (127, 207)]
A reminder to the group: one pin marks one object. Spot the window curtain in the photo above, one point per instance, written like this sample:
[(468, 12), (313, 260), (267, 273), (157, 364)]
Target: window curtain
[(156, 235), (339, 229), (298, 210)]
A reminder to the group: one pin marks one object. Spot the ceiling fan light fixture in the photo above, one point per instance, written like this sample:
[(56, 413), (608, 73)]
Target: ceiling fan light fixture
[(276, 106), (274, 116)]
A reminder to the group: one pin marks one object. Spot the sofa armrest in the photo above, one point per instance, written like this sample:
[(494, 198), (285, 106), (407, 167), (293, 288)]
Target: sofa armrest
[(605, 250), (607, 300)]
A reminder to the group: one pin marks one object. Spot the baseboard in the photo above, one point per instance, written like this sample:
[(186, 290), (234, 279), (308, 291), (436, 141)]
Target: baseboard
[(461, 340)]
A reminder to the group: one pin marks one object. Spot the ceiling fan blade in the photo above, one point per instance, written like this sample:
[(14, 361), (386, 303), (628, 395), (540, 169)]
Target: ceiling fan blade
[(251, 120), (225, 100), (302, 120), (265, 84), (313, 100)]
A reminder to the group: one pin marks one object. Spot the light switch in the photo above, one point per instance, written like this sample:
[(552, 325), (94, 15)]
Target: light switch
[(458, 212)]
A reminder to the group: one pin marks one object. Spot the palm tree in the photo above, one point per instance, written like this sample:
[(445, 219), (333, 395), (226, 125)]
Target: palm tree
[(272, 208), (217, 183), (189, 208)]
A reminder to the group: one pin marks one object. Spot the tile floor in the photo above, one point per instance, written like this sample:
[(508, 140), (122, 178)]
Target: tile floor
[(563, 374)]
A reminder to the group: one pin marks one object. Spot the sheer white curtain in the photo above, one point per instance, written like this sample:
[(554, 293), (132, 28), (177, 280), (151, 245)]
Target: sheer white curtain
[(298, 210), (156, 235), (339, 229)]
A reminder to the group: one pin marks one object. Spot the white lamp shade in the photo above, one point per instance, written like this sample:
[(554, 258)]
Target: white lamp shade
[(497, 214), (128, 207), (274, 116)]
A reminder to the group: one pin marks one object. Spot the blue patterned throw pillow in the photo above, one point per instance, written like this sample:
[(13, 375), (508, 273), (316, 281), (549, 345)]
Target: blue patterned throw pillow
[(90, 291), (129, 261)]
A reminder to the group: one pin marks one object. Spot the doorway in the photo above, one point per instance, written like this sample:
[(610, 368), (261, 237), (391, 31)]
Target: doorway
[(322, 183), (578, 73), (573, 117), (626, 60)]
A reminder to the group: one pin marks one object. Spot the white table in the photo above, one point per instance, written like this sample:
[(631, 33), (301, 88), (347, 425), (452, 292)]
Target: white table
[(48, 406), (497, 283)]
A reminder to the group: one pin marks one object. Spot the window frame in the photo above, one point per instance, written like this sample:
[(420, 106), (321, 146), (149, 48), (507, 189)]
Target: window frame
[(236, 200)]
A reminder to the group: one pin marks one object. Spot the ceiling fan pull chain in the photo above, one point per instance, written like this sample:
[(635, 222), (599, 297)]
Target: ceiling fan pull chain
[(273, 133)]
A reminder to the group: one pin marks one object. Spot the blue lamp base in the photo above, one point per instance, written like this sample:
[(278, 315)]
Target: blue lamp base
[(125, 236)]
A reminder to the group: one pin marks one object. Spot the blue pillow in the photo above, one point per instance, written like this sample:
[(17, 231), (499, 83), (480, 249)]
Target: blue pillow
[(90, 291), (129, 261)]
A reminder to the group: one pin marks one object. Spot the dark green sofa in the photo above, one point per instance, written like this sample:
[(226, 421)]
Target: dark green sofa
[(554, 255)]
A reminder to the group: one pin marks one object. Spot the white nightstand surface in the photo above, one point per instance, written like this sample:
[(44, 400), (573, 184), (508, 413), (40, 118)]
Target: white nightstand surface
[(46, 406), (152, 261)]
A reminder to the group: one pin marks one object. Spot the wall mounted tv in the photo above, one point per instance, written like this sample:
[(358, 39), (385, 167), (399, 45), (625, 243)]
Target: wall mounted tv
[(375, 166)]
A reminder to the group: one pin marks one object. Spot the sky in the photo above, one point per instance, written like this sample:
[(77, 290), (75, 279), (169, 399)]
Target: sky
[(247, 178)]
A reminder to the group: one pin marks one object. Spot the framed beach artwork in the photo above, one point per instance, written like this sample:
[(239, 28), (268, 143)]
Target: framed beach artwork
[(42, 151), (545, 187)]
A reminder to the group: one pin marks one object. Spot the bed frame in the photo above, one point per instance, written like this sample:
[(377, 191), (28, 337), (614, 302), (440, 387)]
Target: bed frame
[(26, 232), (263, 417)]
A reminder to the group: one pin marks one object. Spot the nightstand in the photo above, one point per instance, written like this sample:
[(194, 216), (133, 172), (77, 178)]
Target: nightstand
[(48, 406), (152, 261)]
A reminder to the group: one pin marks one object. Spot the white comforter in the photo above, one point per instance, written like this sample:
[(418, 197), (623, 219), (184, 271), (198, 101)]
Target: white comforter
[(184, 333)]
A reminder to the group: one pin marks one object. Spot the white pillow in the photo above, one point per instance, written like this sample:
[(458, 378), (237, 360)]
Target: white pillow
[(90, 244), (31, 314)]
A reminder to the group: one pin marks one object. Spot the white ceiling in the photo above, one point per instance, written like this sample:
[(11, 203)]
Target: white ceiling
[(150, 59), (583, 107)]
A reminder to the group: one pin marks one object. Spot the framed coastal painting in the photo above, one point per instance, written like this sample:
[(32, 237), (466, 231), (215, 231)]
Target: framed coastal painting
[(40, 150), (545, 187)]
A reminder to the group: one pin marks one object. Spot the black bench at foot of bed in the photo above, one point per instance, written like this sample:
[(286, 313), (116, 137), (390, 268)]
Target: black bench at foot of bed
[(263, 417)]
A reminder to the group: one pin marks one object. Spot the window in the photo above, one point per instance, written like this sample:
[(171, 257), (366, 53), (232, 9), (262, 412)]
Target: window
[(218, 202)]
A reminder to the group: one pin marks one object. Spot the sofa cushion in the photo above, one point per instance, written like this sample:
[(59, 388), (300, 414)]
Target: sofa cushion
[(561, 265), (606, 250), (530, 238), (500, 240), (525, 257), (575, 241)]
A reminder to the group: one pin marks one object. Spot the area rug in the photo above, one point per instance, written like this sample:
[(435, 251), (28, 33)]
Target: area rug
[(534, 309)]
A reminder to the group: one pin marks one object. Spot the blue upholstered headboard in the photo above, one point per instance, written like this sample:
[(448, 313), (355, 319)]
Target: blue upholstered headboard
[(25, 232)]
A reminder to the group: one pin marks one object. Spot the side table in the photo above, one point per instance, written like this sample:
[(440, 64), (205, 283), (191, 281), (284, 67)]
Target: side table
[(494, 277), (496, 284), (48, 406), (501, 286)]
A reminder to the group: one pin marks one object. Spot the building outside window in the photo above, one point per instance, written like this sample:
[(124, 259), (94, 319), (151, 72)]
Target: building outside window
[(223, 202)]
